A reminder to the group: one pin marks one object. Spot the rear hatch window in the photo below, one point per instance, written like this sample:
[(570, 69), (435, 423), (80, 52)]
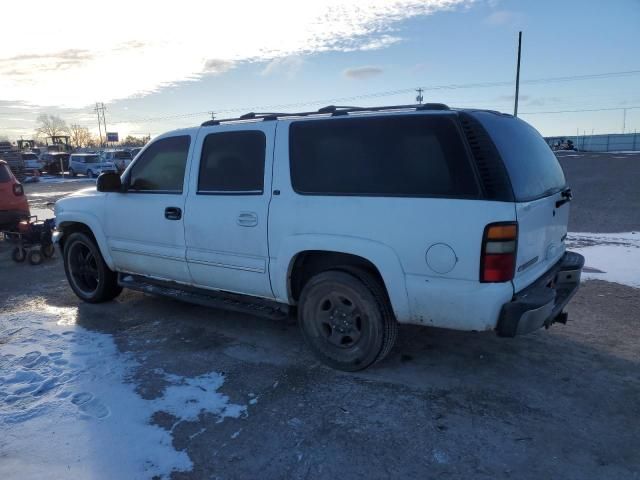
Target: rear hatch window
[(533, 168), (5, 174)]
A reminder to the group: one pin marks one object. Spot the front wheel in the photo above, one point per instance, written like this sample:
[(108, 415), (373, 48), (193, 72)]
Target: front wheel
[(346, 318), (89, 276)]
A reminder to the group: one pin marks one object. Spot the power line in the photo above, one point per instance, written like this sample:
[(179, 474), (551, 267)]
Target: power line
[(391, 93), (583, 110)]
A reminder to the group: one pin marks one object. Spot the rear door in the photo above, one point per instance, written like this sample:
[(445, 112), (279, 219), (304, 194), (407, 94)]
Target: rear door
[(227, 208), (541, 194)]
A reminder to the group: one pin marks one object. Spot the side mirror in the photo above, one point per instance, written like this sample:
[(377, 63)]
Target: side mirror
[(109, 182)]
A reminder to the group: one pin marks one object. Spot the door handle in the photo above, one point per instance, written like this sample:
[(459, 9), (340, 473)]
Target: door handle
[(172, 213), (247, 219)]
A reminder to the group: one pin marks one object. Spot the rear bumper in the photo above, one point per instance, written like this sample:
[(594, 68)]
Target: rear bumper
[(541, 303), (12, 217)]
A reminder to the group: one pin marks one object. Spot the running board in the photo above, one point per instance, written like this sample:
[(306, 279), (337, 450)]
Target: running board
[(207, 298)]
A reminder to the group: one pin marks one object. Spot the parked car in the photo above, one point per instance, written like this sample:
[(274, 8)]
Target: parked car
[(32, 162), (120, 158), (13, 202), (89, 164), (356, 219), (135, 151), (55, 162)]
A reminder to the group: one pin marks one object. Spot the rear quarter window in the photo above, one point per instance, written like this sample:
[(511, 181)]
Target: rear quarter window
[(533, 168), (410, 155)]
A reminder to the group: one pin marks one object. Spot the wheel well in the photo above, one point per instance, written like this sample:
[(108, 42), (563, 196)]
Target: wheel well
[(311, 262), (72, 227)]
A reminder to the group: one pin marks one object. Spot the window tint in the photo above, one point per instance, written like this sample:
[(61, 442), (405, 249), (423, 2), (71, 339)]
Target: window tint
[(233, 162), (161, 168), (417, 155), (92, 159), (5, 173), (533, 168)]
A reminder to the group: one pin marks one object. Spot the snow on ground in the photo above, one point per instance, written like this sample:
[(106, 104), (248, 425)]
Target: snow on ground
[(614, 257), (66, 179), (67, 409)]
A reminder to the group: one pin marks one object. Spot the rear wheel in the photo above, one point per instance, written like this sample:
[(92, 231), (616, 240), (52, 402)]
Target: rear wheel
[(90, 173), (72, 172), (89, 276), (48, 250), (346, 318)]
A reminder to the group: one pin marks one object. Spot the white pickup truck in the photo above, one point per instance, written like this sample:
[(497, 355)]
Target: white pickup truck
[(355, 219)]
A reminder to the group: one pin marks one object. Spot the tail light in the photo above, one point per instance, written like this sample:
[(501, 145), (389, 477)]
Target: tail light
[(18, 191), (499, 247)]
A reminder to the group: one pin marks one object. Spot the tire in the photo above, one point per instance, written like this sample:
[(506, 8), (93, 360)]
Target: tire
[(90, 173), (19, 255), (72, 172), (346, 319), (48, 250), (88, 275), (35, 257)]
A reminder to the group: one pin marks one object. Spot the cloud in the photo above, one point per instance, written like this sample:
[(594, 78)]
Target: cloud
[(68, 61), (217, 66), (362, 73), (505, 17), (289, 66)]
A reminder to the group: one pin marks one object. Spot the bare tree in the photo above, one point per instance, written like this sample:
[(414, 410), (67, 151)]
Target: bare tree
[(50, 125), (80, 136)]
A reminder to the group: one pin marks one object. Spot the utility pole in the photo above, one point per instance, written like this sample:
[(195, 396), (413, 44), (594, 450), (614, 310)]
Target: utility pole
[(515, 108), (97, 110), (624, 119), (419, 97), (213, 116), (104, 121)]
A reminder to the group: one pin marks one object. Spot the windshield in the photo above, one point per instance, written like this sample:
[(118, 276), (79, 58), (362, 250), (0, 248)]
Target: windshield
[(122, 155), (533, 168)]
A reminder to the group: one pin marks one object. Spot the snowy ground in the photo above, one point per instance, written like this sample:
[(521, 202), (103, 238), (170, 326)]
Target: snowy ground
[(614, 257), (67, 409)]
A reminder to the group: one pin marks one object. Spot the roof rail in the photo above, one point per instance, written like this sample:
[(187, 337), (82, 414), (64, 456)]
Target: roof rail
[(333, 110)]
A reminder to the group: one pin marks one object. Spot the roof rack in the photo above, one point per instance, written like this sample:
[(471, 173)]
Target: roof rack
[(333, 110)]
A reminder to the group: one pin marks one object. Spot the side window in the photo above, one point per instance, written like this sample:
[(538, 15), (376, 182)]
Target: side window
[(410, 155), (233, 162), (161, 168)]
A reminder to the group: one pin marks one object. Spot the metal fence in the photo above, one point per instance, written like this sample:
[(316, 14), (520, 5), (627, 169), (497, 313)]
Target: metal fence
[(613, 142)]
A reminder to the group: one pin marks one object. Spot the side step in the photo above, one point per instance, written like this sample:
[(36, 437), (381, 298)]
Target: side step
[(208, 298)]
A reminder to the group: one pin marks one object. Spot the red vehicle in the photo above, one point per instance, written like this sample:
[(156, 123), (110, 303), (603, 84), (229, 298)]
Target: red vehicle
[(13, 202)]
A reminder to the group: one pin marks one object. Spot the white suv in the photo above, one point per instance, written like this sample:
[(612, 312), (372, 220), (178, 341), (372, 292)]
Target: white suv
[(89, 164), (356, 219)]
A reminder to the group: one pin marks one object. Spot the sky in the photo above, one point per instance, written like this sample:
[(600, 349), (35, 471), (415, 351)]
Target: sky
[(157, 68)]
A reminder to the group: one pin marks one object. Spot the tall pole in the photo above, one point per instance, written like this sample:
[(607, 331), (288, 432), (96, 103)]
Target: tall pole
[(624, 119), (104, 120), (419, 97), (99, 125), (515, 107)]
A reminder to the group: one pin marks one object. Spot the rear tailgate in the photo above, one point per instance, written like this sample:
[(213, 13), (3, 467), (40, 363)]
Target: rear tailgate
[(540, 191)]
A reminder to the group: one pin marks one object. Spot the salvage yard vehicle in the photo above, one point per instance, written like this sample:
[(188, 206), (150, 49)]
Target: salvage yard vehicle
[(55, 162), (357, 219), (13, 202), (120, 158), (89, 164)]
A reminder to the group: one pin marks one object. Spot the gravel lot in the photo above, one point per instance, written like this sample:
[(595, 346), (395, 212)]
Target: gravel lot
[(561, 403)]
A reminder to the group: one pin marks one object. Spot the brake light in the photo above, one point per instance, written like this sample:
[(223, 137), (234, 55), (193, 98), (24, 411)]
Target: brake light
[(499, 247), (18, 191)]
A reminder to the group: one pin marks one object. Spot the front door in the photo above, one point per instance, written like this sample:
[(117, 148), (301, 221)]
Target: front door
[(145, 225), (226, 211)]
